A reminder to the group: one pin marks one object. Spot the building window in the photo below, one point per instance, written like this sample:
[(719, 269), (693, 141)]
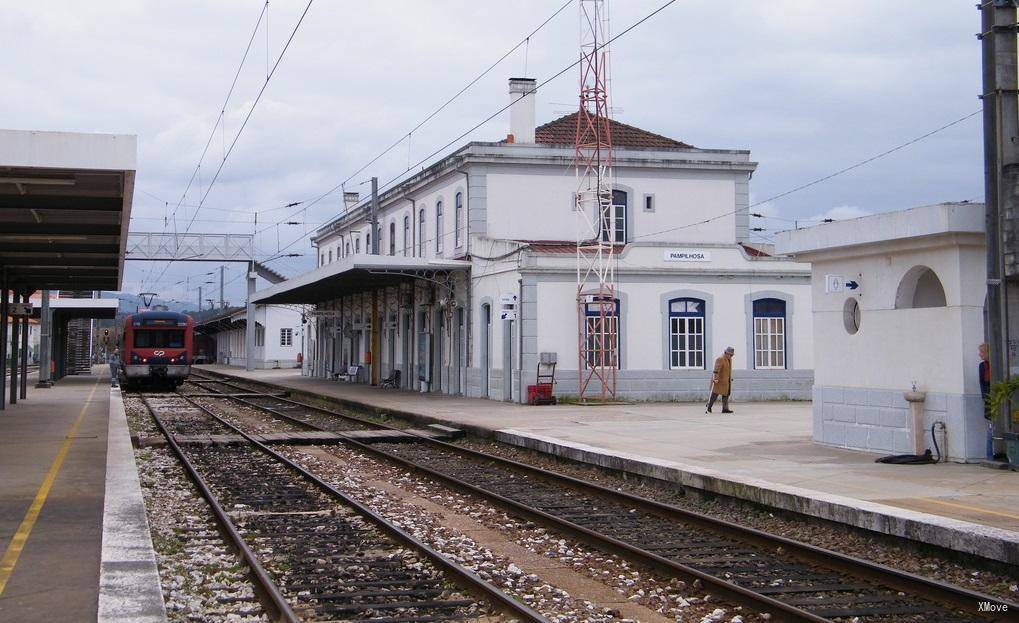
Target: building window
[(286, 337), (259, 335), (368, 243), (649, 203), (346, 250), (458, 209), (601, 333), (406, 234), (357, 245), (421, 233), (438, 227), (330, 256), (392, 237), (769, 334), (686, 334), (322, 261), (378, 233), (613, 229)]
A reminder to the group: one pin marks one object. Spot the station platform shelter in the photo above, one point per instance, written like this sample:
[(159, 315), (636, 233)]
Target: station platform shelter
[(74, 545), (763, 453)]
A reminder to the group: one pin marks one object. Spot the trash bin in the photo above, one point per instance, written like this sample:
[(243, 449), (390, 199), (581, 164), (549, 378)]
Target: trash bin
[(1012, 447)]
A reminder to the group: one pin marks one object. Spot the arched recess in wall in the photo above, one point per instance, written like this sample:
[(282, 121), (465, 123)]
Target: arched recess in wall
[(919, 287)]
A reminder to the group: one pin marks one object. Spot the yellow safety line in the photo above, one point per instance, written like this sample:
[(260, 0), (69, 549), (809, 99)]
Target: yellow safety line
[(971, 508), (21, 536)]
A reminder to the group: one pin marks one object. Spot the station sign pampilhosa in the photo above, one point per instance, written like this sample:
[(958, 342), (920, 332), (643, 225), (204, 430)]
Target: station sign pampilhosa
[(687, 255)]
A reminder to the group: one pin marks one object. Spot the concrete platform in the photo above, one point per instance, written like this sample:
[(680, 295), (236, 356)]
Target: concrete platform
[(763, 453), (59, 455)]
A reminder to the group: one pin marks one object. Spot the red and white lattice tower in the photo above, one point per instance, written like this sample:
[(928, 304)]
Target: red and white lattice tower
[(597, 312)]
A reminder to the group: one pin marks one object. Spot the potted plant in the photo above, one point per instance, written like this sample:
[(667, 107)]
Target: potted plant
[(999, 395)]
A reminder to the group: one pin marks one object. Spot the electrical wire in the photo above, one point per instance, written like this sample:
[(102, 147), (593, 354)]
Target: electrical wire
[(493, 115), (442, 107), (247, 117)]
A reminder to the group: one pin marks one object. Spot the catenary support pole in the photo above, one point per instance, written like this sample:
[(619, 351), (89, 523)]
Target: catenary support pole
[(375, 217), (45, 326), (222, 301), (3, 340), (1000, 152), (15, 334), (249, 325), (24, 350)]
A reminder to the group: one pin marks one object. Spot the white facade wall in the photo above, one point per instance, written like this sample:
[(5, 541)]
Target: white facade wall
[(536, 203)]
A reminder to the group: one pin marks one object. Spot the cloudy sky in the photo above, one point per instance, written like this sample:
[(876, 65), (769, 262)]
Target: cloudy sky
[(808, 87)]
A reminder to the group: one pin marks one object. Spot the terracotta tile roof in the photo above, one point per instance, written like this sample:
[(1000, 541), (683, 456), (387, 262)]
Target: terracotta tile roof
[(563, 131), (556, 247), (754, 251)]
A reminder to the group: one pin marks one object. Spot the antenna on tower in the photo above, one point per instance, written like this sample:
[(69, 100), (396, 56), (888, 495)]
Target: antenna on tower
[(597, 233)]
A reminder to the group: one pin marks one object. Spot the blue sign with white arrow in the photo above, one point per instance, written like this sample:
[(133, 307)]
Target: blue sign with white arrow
[(852, 285)]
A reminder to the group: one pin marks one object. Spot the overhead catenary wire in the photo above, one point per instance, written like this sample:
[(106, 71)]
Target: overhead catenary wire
[(490, 117), (446, 103), (247, 117)]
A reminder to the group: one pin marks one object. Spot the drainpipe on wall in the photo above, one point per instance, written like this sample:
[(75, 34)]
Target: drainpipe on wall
[(468, 281)]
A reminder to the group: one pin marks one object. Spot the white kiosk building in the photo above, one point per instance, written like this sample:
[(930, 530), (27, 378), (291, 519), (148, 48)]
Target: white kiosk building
[(915, 318)]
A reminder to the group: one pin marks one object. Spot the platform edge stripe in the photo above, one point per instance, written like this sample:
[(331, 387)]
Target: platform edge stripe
[(17, 544), (129, 585), (954, 534)]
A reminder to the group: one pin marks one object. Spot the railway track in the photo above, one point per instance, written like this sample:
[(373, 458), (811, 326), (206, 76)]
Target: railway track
[(314, 553), (793, 580)]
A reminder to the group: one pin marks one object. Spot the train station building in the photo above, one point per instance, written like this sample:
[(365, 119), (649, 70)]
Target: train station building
[(474, 278)]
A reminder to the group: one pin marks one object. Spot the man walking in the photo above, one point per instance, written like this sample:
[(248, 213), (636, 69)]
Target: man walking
[(721, 381), (114, 361)]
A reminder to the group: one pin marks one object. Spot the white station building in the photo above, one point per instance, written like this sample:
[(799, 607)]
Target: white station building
[(279, 336), (475, 276)]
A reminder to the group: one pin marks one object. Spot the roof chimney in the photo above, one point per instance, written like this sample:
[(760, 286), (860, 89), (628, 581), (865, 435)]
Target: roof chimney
[(522, 109), (350, 200)]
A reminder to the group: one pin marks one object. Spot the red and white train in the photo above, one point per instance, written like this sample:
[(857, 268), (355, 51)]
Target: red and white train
[(158, 348)]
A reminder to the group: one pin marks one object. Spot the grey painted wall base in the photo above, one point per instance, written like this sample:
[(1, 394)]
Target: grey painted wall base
[(691, 386), (878, 420), (987, 542), (129, 589)]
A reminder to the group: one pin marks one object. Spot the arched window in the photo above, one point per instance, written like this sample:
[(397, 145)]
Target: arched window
[(438, 227), (421, 233), (346, 250), (602, 333), (458, 208), (368, 242), (322, 260), (769, 334), (357, 245), (920, 287), (686, 334), (330, 256), (614, 225), (406, 234), (392, 237)]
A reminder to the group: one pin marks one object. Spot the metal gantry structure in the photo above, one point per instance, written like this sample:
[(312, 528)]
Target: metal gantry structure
[(597, 317)]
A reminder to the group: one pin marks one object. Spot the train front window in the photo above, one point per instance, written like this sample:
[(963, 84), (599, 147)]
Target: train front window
[(159, 338)]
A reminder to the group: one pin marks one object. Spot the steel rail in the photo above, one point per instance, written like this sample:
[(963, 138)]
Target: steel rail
[(462, 576), (919, 586), (265, 583)]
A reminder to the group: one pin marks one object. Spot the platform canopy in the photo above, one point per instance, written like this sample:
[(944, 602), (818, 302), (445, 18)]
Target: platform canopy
[(65, 206), (81, 308), (352, 274)]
